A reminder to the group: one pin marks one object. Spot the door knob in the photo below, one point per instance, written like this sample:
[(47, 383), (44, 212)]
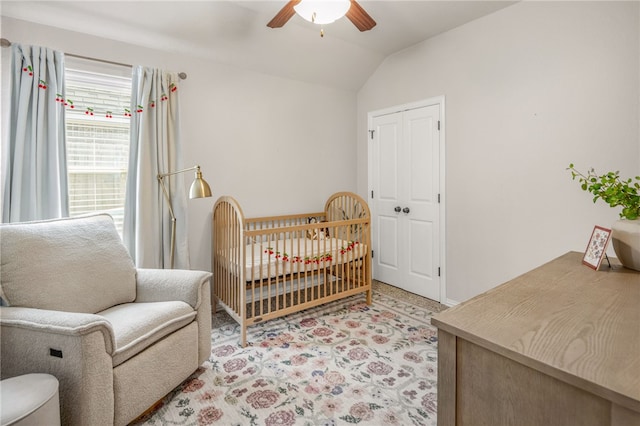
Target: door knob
[(405, 210), (397, 209)]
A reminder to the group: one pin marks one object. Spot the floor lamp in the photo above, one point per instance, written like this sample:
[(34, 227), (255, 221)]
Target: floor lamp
[(199, 189)]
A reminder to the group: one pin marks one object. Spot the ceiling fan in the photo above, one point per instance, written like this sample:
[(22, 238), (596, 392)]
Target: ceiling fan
[(355, 13)]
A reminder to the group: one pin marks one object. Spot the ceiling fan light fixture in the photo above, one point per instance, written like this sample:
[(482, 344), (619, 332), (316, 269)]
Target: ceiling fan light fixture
[(322, 11)]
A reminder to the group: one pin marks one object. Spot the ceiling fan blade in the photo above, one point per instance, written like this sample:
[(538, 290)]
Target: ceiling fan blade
[(359, 17), (284, 15)]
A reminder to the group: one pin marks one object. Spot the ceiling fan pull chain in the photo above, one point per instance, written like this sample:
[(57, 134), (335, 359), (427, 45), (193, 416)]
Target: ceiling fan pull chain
[(321, 32)]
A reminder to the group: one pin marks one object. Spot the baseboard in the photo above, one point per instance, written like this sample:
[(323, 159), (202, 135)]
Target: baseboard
[(450, 303)]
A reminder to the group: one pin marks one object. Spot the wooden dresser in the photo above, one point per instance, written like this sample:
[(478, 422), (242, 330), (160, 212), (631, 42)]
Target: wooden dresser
[(559, 345)]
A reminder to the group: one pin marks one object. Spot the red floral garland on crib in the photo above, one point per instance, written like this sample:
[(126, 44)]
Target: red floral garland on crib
[(326, 257)]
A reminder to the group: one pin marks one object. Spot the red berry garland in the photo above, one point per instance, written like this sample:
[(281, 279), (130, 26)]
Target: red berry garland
[(89, 111)]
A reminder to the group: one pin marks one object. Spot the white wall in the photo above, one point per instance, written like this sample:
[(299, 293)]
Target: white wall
[(529, 89), (276, 145)]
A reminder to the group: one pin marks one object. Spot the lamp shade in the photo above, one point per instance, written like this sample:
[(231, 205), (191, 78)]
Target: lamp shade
[(322, 11), (199, 188)]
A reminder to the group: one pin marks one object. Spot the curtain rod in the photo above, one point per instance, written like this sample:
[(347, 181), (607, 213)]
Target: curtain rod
[(6, 43)]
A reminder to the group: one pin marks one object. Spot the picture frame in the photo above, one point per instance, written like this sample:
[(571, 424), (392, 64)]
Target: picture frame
[(597, 247)]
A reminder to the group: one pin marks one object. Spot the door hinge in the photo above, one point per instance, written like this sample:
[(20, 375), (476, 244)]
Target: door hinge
[(438, 271), (438, 198), (438, 124), (372, 254), (371, 133), (372, 194)]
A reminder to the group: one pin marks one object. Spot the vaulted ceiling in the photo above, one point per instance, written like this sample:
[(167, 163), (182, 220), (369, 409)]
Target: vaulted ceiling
[(235, 31)]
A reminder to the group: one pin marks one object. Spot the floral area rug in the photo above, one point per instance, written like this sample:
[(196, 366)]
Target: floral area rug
[(342, 363)]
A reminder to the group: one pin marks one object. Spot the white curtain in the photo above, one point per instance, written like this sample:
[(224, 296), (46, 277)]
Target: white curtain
[(155, 148), (35, 178)]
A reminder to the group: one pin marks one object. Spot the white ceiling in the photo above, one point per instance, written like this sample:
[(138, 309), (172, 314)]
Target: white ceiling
[(235, 31)]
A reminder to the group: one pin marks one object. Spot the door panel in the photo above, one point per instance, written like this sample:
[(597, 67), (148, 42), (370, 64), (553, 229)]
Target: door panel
[(386, 223), (420, 181), (388, 237), (388, 169), (422, 269), (423, 141), (421, 264)]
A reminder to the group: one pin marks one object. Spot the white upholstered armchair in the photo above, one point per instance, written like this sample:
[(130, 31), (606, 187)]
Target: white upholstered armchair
[(117, 338)]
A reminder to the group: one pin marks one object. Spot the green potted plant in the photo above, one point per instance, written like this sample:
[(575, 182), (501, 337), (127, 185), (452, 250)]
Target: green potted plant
[(615, 191)]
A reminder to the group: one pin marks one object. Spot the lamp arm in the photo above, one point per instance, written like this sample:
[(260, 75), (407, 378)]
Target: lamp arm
[(162, 175), (166, 195)]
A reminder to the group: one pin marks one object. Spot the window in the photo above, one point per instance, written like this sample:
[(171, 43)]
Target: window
[(97, 132)]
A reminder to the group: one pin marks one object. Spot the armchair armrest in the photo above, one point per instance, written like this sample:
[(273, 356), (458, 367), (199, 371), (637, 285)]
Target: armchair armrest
[(159, 285), (192, 287), (76, 348), (58, 322)]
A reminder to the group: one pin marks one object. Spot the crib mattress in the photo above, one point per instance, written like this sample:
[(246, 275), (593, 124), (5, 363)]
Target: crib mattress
[(298, 255)]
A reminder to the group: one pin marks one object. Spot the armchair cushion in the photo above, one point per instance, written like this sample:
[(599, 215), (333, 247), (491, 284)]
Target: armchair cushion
[(136, 326), (72, 265)]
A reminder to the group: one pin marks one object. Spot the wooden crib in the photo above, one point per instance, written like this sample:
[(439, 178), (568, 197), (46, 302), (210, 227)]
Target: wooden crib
[(267, 267)]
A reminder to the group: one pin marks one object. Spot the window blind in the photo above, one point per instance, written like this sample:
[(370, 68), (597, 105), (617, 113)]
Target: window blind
[(97, 135)]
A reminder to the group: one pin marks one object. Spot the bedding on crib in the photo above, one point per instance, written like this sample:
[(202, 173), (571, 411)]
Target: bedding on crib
[(268, 267), (298, 255)]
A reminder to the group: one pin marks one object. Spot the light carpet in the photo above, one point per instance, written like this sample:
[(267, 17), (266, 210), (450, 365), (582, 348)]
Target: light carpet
[(341, 363)]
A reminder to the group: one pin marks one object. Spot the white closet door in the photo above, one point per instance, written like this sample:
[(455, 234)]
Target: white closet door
[(405, 170)]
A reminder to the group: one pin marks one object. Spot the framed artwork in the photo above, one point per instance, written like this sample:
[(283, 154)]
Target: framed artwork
[(597, 247)]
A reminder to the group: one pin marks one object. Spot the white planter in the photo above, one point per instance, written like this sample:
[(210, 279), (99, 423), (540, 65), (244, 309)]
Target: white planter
[(625, 237)]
